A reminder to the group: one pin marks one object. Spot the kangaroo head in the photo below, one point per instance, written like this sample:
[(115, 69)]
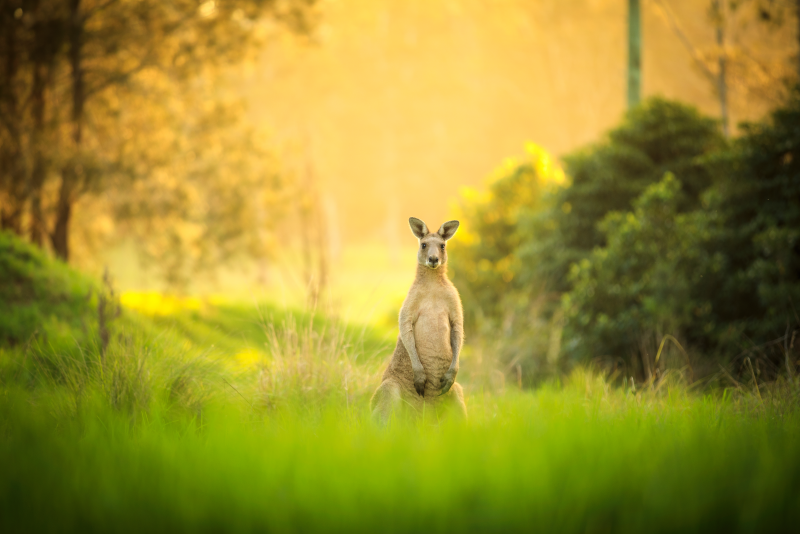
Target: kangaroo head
[(432, 251)]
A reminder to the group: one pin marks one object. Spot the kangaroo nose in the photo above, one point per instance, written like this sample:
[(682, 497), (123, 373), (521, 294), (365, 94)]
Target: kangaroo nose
[(433, 259)]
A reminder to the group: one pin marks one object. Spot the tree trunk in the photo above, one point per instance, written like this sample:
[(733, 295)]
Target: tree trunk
[(60, 236), (37, 223), (798, 39), (11, 214), (39, 166), (722, 82), (44, 50), (313, 236), (634, 53), (71, 173)]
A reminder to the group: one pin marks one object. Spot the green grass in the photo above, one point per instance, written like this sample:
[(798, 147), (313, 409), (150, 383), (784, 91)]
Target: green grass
[(232, 327), (560, 459), (244, 418), (40, 296)]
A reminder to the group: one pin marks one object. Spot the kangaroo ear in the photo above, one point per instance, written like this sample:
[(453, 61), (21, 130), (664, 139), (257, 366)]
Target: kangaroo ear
[(418, 227), (448, 229)]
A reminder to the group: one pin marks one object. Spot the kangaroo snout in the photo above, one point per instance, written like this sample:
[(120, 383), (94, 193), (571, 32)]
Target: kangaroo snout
[(433, 261)]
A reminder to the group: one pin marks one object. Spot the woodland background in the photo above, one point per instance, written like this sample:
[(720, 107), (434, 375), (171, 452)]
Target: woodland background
[(277, 147)]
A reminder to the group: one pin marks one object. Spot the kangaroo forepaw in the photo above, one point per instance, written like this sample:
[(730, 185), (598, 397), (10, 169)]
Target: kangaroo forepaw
[(419, 383), (447, 382)]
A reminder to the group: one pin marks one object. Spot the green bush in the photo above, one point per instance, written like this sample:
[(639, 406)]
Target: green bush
[(758, 203), (655, 138), (643, 281), (663, 228), (487, 269), (723, 277), (500, 301)]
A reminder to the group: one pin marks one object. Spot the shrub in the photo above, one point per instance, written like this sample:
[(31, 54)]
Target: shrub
[(643, 281), (487, 269), (655, 138), (662, 228)]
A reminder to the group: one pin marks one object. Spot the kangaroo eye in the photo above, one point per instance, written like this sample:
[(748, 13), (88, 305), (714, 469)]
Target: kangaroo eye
[(442, 246), (424, 245)]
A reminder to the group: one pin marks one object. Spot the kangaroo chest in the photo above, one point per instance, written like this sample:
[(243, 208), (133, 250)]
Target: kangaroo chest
[(432, 330)]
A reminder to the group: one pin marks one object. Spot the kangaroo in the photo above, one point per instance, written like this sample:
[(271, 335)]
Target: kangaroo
[(424, 365)]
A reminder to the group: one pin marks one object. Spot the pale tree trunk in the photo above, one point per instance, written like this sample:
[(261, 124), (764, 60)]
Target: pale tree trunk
[(797, 10), (315, 245), (722, 82), (70, 174), (634, 53)]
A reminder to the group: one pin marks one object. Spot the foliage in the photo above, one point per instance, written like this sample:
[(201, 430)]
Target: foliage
[(208, 194), (657, 137), (555, 227), (716, 276), (145, 113), (493, 279), (51, 334), (487, 268), (739, 65), (644, 280), (664, 229), (759, 206)]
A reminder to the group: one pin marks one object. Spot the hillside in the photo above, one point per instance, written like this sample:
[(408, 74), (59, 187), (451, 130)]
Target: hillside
[(40, 295)]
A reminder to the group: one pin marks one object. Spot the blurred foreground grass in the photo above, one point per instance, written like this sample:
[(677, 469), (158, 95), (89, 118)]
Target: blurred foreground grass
[(216, 416), (571, 459)]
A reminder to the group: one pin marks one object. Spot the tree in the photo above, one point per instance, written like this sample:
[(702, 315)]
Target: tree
[(617, 250), (124, 38), (759, 204), (739, 66), (500, 293), (14, 39), (722, 276), (718, 13), (529, 233), (488, 245), (642, 284), (108, 50), (657, 137), (48, 34), (197, 190), (634, 53)]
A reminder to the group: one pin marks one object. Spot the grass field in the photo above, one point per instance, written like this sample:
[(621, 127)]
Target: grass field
[(208, 416)]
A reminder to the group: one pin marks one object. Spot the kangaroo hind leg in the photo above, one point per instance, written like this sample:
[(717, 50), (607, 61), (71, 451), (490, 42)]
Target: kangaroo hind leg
[(454, 401), (385, 401)]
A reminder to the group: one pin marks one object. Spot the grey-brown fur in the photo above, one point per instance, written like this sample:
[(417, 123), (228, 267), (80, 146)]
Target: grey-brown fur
[(424, 365)]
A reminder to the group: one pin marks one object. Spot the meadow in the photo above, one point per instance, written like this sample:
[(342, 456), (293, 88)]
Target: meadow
[(204, 249), (192, 414)]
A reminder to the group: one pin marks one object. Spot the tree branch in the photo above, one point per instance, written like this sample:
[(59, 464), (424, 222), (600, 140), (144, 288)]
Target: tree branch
[(97, 9), (143, 63), (672, 20)]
